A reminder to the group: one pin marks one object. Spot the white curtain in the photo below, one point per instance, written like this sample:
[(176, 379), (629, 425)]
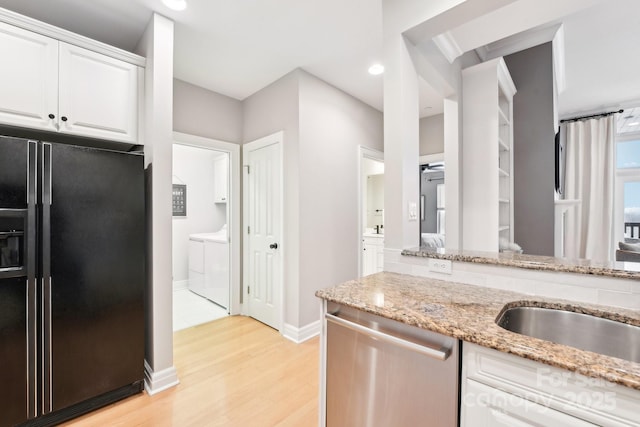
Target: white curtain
[(589, 178)]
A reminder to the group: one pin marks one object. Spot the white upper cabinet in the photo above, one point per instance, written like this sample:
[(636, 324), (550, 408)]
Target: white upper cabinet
[(51, 85), (28, 78), (220, 180), (97, 95)]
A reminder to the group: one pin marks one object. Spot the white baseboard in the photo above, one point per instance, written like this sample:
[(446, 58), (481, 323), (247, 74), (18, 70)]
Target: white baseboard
[(298, 335), (179, 285), (155, 382)]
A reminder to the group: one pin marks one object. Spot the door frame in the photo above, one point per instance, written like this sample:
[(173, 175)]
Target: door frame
[(273, 139), (371, 154), (233, 207)]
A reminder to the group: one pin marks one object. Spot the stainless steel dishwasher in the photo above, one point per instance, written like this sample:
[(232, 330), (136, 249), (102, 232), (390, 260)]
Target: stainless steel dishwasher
[(380, 372)]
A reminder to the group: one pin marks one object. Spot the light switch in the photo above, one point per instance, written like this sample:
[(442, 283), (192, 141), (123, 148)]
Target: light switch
[(413, 211)]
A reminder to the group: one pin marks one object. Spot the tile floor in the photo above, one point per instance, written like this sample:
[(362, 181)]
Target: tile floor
[(190, 309)]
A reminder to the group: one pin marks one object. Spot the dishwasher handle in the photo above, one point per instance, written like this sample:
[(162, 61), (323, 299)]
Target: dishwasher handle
[(441, 354)]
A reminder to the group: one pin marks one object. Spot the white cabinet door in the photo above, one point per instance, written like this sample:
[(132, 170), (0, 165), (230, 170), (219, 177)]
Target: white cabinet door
[(372, 255), (28, 78), (368, 258), (484, 406), (220, 179), (98, 95)]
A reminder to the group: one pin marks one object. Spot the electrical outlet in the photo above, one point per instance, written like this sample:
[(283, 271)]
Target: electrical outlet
[(440, 266)]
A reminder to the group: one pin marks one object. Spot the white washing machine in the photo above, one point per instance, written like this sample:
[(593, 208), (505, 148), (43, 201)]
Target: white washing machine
[(209, 266)]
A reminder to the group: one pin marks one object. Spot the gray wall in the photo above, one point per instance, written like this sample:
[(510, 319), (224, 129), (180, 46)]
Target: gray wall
[(432, 135), (270, 110), (534, 150), (332, 126), (201, 112), (322, 128)]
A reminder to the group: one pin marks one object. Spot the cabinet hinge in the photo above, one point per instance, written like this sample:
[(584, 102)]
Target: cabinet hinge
[(248, 289), (248, 229)]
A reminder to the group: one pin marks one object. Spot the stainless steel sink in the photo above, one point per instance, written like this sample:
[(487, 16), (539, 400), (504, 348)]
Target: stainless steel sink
[(578, 330)]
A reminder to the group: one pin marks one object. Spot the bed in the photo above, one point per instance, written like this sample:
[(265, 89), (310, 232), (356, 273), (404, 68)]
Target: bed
[(432, 240)]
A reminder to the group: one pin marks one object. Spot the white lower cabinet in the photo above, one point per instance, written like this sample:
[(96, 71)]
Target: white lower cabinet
[(486, 406), (372, 254), (499, 389)]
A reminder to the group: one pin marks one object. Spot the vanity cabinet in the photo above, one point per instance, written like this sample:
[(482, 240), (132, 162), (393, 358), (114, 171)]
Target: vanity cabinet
[(372, 254), (51, 85), (220, 179), (487, 155), (502, 389)]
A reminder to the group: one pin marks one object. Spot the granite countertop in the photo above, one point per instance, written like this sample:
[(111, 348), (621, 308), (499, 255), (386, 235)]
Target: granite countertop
[(367, 234), (468, 313), (624, 270)]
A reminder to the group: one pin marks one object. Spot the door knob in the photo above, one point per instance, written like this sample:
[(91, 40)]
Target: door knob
[(273, 246)]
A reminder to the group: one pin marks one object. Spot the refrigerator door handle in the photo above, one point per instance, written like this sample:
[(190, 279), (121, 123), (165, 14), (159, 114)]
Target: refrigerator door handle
[(32, 288), (47, 391), (47, 196), (47, 398)]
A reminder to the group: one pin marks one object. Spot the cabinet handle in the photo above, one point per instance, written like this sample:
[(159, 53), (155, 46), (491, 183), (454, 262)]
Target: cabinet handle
[(63, 118), (52, 116), (273, 246), (442, 353)]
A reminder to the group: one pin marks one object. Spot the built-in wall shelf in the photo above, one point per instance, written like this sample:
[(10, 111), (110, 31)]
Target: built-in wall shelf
[(504, 119), (487, 105)]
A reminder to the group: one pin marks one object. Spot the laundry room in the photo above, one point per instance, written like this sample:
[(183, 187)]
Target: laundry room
[(200, 237)]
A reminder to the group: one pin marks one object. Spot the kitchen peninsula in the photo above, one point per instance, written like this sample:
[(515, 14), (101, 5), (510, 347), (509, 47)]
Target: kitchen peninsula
[(496, 362)]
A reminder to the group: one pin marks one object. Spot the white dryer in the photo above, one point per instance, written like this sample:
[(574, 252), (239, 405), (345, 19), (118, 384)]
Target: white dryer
[(209, 266)]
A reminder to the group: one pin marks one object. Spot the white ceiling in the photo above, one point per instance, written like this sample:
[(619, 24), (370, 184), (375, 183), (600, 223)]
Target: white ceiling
[(236, 47)]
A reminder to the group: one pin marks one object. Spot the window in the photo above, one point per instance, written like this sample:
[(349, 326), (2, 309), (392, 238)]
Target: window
[(628, 154), (627, 197)]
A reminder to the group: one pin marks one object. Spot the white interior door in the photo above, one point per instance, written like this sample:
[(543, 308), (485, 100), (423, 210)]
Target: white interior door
[(263, 256)]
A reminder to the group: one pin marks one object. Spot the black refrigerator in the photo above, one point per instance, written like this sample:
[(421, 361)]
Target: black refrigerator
[(72, 278)]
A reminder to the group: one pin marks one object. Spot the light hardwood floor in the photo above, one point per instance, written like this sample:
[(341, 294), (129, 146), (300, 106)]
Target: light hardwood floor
[(233, 372)]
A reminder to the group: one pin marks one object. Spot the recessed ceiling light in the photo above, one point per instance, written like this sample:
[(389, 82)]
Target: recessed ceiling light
[(376, 69), (175, 4)]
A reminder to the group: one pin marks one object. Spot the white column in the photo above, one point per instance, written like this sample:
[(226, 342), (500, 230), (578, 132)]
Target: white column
[(157, 46), (452, 174), (401, 145)]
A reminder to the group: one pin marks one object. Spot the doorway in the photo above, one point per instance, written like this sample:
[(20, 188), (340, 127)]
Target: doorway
[(263, 245), (203, 224), (432, 202), (371, 211)]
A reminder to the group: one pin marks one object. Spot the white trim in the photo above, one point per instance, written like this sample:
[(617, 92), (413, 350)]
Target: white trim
[(274, 138), (431, 158), (233, 207), (448, 46), (180, 285), (63, 35), (559, 67), (155, 382), (299, 335), (372, 154)]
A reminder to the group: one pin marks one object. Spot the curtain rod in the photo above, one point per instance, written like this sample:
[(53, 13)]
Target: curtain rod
[(575, 119)]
